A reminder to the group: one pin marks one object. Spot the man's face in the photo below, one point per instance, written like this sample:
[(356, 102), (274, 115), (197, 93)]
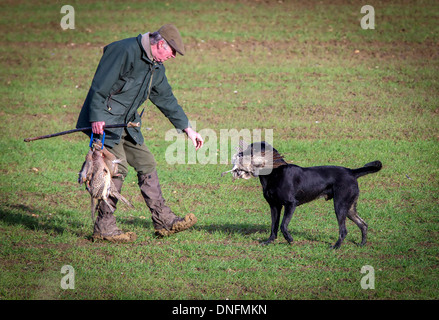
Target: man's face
[(161, 51)]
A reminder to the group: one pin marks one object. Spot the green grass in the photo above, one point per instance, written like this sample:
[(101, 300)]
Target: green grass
[(294, 69)]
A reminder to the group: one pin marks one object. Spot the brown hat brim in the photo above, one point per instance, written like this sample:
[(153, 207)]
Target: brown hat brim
[(170, 33)]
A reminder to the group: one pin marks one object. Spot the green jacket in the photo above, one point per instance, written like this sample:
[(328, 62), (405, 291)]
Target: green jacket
[(120, 87)]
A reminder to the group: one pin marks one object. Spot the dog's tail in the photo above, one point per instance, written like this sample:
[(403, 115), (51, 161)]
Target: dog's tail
[(370, 167)]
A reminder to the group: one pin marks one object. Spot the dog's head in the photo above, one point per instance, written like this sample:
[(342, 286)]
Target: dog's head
[(259, 158)]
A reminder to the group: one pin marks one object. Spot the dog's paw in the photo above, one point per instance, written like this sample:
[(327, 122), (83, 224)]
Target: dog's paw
[(266, 242), (289, 240)]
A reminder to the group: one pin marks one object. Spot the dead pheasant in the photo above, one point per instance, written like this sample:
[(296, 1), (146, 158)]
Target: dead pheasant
[(251, 162), (85, 173), (97, 171)]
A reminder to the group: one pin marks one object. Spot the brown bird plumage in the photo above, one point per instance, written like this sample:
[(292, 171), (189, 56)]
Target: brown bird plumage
[(252, 161), (97, 171)]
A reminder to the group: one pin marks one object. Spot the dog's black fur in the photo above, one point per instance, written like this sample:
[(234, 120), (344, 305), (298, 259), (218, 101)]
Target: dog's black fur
[(290, 186)]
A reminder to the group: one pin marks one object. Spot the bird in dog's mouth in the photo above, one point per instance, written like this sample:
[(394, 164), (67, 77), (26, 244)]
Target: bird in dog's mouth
[(253, 160), (238, 173)]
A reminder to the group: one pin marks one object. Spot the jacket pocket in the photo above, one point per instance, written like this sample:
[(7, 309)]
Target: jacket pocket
[(115, 108), (118, 86)]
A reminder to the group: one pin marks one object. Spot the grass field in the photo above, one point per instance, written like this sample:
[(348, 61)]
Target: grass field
[(332, 93)]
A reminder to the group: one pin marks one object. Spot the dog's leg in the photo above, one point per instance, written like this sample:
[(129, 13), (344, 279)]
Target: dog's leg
[(275, 217), (288, 214), (341, 212), (345, 199), (342, 231), (353, 215)]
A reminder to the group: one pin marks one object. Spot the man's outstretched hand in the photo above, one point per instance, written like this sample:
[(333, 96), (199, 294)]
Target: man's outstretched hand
[(196, 138)]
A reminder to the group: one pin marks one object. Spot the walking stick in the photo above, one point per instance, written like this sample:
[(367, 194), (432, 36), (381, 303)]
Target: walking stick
[(124, 125)]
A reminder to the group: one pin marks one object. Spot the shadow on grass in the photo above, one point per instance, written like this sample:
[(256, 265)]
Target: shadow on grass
[(234, 228), (34, 219), (61, 221), (261, 231)]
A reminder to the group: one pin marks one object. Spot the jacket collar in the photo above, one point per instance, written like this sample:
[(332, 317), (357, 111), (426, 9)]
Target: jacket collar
[(143, 41)]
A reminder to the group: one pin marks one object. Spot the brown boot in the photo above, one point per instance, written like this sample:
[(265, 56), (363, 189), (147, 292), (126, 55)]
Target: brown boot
[(105, 225), (178, 225), (164, 220)]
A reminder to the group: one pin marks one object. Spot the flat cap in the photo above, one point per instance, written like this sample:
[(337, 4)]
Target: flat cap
[(170, 33)]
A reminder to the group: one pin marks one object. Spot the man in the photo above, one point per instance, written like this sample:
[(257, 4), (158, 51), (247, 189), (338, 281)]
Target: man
[(130, 72)]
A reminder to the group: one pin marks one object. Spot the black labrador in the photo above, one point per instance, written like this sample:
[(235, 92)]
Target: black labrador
[(288, 185)]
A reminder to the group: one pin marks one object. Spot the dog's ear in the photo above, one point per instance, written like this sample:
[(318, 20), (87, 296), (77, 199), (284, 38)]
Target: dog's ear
[(278, 159)]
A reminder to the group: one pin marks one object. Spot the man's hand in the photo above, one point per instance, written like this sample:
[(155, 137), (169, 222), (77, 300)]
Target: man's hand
[(98, 127), (197, 140)]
